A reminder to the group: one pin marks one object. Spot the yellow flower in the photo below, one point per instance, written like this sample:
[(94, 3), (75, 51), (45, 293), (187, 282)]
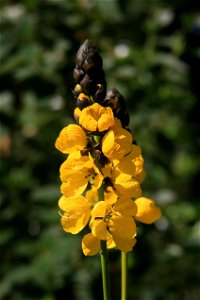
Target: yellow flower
[(91, 244), (77, 211), (120, 175), (76, 172), (117, 220), (71, 138), (96, 118), (135, 157), (147, 211), (116, 143)]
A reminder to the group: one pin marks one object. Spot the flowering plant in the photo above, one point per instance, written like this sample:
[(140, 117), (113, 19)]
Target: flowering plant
[(102, 174)]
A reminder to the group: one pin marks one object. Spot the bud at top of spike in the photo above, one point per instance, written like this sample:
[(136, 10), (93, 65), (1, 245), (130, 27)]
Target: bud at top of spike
[(88, 72), (88, 57)]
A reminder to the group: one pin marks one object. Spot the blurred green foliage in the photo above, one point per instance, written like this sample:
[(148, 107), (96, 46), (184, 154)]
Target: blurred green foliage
[(151, 54)]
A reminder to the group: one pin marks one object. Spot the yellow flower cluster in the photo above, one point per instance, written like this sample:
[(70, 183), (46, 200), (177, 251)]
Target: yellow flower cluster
[(102, 159)]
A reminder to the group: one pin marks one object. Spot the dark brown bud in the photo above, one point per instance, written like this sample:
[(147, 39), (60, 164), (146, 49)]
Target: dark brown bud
[(116, 101), (100, 92), (82, 101), (88, 72), (87, 57), (78, 75), (88, 85)]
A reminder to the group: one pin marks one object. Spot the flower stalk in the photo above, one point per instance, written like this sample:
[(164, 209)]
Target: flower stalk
[(105, 270), (124, 275)]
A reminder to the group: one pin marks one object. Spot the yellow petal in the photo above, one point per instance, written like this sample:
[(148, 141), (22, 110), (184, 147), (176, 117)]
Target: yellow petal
[(117, 124), (125, 165), (96, 117), (139, 172), (117, 143), (135, 151), (74, 184), (147, 211), (106, 120), (109, 195), (108, 142), (76, 161), (71, 138), (90, 244), (75, 204), (92, 196), (77, 213), (125, 206), (76, 172), (109, 241), (99, 210), (125, 185), (99, 228), (74, 223), (96, 177), (123, 227), (124, 245)]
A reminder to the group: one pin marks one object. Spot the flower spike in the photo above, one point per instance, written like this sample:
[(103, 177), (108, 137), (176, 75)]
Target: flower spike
[(102, 174)]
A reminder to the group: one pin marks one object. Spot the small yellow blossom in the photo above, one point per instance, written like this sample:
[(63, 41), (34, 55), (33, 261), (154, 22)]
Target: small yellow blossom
[(77, 211), (96, 118), (117, 220), (76, 172), (121, 178), (147, 211), (71, 138), (116, 143), (91, 244)]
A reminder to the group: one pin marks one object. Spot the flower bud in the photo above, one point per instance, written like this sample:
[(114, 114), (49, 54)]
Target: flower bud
[(87, 57), (88, 72), (77, 90), (116, 101), (83, 101)]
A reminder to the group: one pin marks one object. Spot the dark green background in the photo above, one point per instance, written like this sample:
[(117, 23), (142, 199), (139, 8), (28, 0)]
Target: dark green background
[(151, 53)]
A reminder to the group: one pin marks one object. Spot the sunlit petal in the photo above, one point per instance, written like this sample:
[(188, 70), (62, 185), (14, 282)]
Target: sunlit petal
[(70, 139), (99, 228), (96, 118), (125, 206), (123, 227), (90, 244), (147, 211)]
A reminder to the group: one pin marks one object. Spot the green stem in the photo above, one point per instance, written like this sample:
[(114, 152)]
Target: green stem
[(123, 276), (104, 258), (105, 271)]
